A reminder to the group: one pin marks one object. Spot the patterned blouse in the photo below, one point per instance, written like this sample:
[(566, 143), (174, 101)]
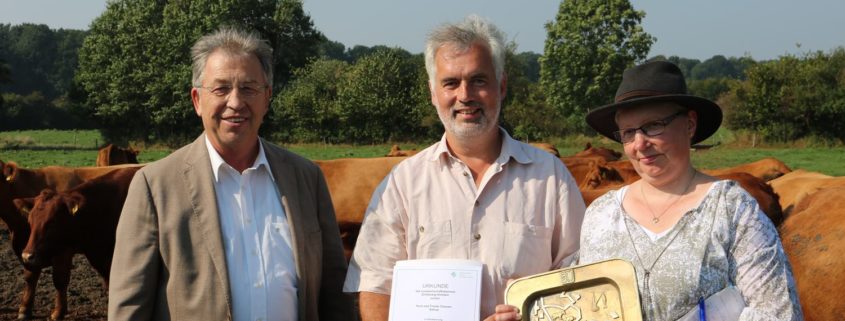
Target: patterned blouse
[(726, 240)]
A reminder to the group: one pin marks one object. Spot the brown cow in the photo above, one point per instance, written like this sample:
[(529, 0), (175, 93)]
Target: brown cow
[(814, 240), (762, 192), (395, 151), (585, 170), (605, 153), (767, 168), (19, 182), (795, 186), (116, 155), (547, 147), (613, 175), (351, 184), (80, 220)]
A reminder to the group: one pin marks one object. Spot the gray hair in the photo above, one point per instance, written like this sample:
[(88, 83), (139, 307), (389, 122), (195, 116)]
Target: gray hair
[(233, 41), (463, 35)]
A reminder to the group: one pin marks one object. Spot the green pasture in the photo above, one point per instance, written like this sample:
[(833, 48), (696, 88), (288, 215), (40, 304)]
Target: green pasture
[(40, 148)]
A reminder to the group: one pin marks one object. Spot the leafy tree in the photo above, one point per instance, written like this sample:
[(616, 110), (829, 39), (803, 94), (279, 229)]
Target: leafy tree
[(530, 65), (710, 88), (135, 65), (332, 50), (716, 67), (4, 78), (523, 115), (589, 44), (792, 97), (33, 111), (377, 101), (359, 51), (685, 64), (307, 109), (39, 58)]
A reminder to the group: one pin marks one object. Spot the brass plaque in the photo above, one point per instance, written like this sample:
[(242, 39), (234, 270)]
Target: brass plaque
[(601, 291)]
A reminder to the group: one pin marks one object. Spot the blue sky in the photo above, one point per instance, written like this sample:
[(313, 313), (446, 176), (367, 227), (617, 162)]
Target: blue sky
[(763, 29)]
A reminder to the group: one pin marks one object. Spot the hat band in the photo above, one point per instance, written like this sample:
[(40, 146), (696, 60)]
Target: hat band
[(638, 94)]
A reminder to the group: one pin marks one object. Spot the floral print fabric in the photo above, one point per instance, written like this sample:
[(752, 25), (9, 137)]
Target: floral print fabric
[(726, 240)]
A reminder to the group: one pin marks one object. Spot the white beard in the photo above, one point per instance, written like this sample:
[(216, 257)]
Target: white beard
[(466, 129)]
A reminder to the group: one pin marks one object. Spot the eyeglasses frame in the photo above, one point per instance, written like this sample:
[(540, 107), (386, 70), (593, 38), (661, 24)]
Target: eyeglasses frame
[(663, 122)]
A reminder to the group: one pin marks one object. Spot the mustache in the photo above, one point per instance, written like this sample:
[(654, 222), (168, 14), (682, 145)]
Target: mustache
[(474, 104)]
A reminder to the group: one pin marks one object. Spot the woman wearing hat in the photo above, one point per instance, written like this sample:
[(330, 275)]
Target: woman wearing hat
[(688, 235)]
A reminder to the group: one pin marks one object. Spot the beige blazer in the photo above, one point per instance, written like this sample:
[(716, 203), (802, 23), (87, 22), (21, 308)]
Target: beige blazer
[(169, 259)]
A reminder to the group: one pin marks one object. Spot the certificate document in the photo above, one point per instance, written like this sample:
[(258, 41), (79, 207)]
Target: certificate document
[(436, 290)]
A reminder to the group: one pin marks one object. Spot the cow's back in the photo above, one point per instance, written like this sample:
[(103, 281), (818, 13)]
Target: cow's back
[(766, 169), (351, 183), (797, 185), (814, 240), (762, 192)]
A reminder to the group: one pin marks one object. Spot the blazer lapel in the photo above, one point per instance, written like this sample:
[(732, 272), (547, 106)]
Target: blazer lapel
[(206, 218)]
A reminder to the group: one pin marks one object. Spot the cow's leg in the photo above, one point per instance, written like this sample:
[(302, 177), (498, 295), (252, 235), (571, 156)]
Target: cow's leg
[(101, 262), (62, 264), (28, 297)]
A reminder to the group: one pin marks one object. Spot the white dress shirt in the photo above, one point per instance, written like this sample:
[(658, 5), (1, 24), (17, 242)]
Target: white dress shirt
[(524, 218), (257, 241)]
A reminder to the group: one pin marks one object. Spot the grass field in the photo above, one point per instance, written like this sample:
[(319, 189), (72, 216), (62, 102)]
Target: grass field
[(40, 148)]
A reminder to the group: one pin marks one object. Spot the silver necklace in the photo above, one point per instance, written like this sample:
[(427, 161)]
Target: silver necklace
[(647, 271), (656, 218)]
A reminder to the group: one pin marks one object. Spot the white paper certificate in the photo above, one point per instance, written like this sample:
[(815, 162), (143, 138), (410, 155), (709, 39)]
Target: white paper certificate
[(436, 290)]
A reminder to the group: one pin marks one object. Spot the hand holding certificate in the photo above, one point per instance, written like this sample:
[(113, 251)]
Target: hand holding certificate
[(442, 290)]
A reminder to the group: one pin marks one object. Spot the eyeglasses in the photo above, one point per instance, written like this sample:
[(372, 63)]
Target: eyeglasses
[(649, 129), (223, 91)]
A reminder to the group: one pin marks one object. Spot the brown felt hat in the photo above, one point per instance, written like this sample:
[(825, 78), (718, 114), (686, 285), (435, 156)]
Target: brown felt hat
[(652, 82)]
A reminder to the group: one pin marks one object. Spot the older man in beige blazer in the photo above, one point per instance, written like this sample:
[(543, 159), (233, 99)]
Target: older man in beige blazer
[(229, 227)]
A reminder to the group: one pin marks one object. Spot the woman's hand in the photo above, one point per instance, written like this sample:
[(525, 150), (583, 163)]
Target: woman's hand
[(504, 312)]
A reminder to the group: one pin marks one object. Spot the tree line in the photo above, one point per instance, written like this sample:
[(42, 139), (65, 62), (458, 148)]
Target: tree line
[(129, 76)]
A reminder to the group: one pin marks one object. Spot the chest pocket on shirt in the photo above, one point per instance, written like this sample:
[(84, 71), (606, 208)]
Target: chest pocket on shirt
[(435, 239), (526, 250)]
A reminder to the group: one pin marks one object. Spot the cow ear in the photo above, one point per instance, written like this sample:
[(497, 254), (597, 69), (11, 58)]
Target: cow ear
[(74, 202), (24, 205), (10, 171)]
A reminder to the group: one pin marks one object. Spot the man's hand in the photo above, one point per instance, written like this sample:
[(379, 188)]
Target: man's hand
[(504, 312)]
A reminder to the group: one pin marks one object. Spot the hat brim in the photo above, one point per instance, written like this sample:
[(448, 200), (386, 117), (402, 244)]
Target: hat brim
[(602, 119)]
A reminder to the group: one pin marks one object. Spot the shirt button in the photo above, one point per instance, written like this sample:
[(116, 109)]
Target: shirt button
[(476, 203), (422, 229), (466, 174), (477, 236)]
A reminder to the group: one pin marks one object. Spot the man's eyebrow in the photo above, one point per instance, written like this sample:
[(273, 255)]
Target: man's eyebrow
[(447, 79), (229, 82), (479, 74)]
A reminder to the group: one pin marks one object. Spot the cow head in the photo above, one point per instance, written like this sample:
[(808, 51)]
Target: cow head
[(132, 155), (50, 216), (10, 172), (120, 155), (605, 153)]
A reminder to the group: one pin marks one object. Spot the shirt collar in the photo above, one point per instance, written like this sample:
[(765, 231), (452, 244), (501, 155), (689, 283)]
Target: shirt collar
[(511, 148), (217, 161)]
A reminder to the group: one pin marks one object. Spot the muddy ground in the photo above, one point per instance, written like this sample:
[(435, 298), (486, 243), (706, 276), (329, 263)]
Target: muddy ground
[(87, 300)]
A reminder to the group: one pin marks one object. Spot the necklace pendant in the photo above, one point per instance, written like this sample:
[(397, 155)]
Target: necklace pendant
[(655, 220)]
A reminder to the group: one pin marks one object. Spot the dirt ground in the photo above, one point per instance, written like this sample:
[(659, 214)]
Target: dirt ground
[(87, 300)]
